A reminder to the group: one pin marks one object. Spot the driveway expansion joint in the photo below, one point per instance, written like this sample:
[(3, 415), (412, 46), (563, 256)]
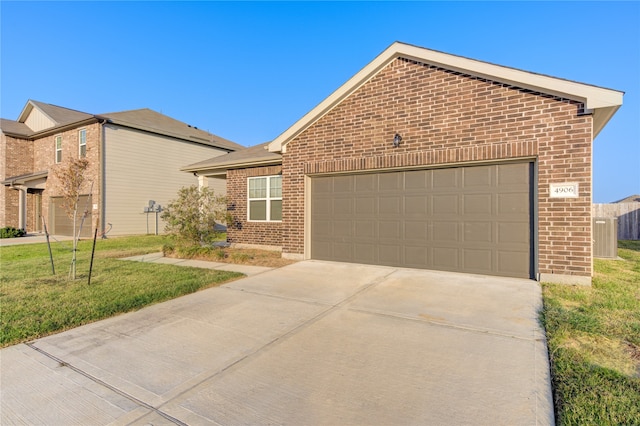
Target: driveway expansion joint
[(282, 337), (104, 384), (485, 331)]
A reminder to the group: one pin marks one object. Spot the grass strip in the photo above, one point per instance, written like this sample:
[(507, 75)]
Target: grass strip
[(594, 343), (33, 303)]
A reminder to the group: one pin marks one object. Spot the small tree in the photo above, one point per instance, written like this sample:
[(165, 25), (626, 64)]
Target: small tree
[(72, 178), (192, 217)]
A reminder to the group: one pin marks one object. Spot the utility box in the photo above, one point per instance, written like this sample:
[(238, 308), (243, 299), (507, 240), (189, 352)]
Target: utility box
[(605, 237)]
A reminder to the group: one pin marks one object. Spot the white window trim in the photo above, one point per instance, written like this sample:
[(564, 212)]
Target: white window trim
[(80, 144), (55, 146), (268, 199)]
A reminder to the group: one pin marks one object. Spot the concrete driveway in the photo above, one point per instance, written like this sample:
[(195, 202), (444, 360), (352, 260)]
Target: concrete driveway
[(313, 343)]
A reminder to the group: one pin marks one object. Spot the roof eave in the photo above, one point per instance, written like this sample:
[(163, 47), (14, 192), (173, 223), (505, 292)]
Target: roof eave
[(62, 128), (595, 98), (206, 171)]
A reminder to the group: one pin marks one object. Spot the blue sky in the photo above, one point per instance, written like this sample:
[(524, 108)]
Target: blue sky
[(247, 71)]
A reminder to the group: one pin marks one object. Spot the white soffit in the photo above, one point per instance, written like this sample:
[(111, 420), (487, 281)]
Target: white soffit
[(595, 98)]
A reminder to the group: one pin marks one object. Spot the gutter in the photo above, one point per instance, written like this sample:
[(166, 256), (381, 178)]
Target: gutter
[(52, 130)]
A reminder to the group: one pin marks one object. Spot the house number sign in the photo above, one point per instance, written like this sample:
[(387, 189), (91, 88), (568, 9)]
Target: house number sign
[(563, 190)]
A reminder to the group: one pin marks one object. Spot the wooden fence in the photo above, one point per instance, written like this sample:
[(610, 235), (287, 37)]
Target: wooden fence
[(628, 215)]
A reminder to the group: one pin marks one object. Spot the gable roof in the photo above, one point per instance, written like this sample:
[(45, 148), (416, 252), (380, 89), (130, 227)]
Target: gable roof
[(603, 103), (155, 122), (142, 119), (257, 155), (59, 115)]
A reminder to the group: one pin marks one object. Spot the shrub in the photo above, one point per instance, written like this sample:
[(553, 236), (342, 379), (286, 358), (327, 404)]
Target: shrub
[(192, 217), (11, 232)]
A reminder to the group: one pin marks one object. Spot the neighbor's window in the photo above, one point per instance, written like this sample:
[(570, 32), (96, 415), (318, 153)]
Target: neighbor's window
[(58, 149), (265, 198), (82, 143)]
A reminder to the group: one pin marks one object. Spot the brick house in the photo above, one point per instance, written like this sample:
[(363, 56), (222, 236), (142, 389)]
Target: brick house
[(134, 157), (429, 160)]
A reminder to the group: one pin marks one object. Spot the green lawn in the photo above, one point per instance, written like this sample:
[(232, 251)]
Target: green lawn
[(34, 303), (594, 343)]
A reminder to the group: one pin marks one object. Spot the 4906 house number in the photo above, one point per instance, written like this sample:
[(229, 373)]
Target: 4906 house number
[(563, 190)]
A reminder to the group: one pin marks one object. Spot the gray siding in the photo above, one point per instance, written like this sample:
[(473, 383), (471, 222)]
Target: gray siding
[(139, 167)]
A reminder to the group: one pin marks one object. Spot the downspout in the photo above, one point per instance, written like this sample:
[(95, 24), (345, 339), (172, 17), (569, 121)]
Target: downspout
[(101, 175)]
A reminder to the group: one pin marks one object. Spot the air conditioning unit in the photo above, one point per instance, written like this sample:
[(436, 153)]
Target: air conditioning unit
[(605, 237)]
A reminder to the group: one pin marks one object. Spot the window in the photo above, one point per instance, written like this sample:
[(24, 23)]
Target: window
[(58, 140), (265, 198), (82, 143)]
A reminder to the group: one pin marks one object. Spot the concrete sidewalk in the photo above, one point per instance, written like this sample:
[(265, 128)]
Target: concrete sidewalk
[(312, 343), (33, 239), (159, 258)]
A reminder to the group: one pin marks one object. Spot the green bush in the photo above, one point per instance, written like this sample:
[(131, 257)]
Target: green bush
[(11, 232), (192, 218)]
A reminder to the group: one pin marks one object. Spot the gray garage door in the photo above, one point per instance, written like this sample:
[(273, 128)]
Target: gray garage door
[(465, 219), (61, 224)]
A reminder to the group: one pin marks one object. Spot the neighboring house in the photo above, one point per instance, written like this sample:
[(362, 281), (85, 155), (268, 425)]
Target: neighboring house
[(429, 160), (134, 156)]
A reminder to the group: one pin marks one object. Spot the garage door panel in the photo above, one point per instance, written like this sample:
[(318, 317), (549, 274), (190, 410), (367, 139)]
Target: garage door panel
[(341, 229), (477, 260), (477, 177), (389, 254), (365, 229), (61, 224), (364, 253), (513, 263), (512, 174), (513, 203), (390, 205), (390, 230), (416, 180), (443, 232), (343, 185), (415, 204), (444, 179), (478, 232), (342, 206), (341, 251), (415, 256), (512, 233), (416, 230), (477, 204), (390, 182), (445, 204), (466, 219), (365, 183), (445, 258), (365, 205)]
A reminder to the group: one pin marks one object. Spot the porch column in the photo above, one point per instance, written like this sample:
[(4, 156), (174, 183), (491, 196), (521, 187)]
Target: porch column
[(203, 182), (22, 208)]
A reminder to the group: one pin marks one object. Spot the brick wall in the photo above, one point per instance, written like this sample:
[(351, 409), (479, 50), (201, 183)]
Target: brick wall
[(17, 159), (29, 156), (445, 117), (44, 159), (241, 230)]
